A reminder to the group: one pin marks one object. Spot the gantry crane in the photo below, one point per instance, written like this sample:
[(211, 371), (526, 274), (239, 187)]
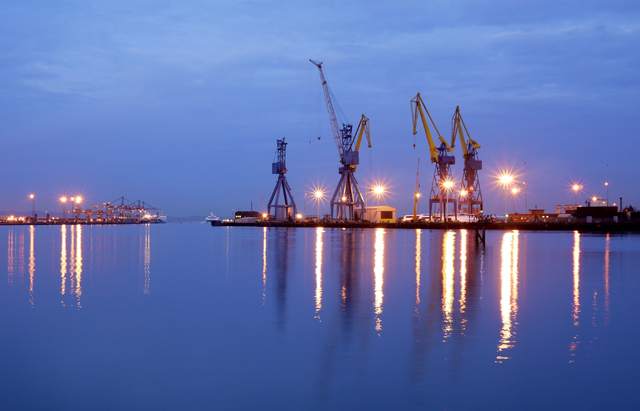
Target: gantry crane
[(470, 199), (347, 194), (416, 195), (442, 183), (279, 166)]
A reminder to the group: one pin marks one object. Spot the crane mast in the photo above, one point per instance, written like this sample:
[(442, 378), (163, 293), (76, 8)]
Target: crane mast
[(416, 195), (470, 199), (347, 196), (442, 183), (279, 166)]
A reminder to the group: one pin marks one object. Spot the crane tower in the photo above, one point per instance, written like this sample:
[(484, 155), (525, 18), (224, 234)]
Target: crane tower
[(441, 187), (279, 166), (470, 199), (347, 196)]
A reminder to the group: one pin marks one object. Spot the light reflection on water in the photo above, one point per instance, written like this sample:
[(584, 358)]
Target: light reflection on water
[(453, 310), (509, 293)]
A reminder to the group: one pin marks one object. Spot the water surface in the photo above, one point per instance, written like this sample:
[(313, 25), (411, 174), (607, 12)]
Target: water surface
[(196, 317)]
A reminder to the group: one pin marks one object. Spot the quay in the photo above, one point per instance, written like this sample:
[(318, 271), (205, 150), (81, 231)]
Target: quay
[(478, 227)]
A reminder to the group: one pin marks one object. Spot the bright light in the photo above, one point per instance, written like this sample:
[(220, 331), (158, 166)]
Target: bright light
[(506, 179), (63, 199), (31, 196), (606, 184), (344, 198), (417, 195), (463, 193), (78, 200), (447, 184), (378, 190), (319, 194), (594, 199), (299, 216), (264, 215), (575, 187), (514, 190)]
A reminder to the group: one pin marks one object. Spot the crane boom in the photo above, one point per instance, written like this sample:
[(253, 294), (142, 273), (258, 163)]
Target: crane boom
[(416, 110), (335, 129), (456, 127), (363, 128)]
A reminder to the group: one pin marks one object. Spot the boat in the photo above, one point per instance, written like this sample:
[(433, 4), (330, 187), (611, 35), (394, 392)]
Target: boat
[(213, 219)]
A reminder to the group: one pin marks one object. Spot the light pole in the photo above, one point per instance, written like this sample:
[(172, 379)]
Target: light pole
[(33, 207), (607, 184), (378, 190), (506, 180), (319, 195), (447, 186), (63, 200), (515, 192), (78, 201), (576, 188)]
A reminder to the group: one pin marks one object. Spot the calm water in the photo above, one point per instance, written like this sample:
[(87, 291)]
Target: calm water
[(188, 316)]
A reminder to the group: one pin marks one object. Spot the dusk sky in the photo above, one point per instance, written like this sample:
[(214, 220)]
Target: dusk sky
[(180, 103)]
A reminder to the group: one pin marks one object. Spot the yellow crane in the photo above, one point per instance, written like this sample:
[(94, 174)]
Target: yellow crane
[(442, 177), (363, 128), (470, 200)]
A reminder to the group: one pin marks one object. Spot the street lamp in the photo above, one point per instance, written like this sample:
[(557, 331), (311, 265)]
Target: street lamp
[(514, 191), (378, 190), (505, 180), (448, 185), (33, 208), (319, 194), (576, 188), (63, 200)]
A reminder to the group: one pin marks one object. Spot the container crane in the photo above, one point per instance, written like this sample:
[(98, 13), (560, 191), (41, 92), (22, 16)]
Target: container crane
[(416, 195), (279, 166), (470, 200), (442, 178), (347, 195)]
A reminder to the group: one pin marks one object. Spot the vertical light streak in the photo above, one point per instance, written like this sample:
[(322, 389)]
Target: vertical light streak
[(63, 260), (11, 268), (576, 278), (595, 309), (508, 293), (78, 264), (72, 260), (463, 271), (418, 262), (448, 271), (319, 232), (606, 283), (378, 272), (32, 261), (264, 263), (147, 257), (21, 257), (573, 346)]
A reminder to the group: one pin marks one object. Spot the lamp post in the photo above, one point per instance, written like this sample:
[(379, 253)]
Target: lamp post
[(505, 180), (78, 201), (319, 195), (378, 190), (33, 205), (514, 191), (607, 184), (447, 186), (576, 188), (63, 200)]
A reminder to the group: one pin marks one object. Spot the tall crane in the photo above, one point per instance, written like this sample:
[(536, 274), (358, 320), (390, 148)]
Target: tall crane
[(442, 183), (347, 194), (470, 199), (279, 166), (416, 195)]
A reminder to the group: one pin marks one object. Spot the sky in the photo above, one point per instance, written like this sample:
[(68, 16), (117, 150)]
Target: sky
[(180, 103)]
